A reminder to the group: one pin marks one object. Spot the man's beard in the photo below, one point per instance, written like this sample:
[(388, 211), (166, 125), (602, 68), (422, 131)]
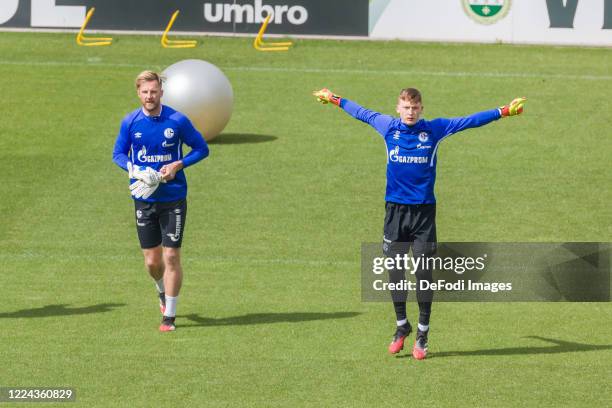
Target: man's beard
[(151, 106)]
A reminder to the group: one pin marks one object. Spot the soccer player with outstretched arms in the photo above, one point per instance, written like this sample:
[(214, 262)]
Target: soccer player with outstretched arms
[(150, 148), (410, 217)]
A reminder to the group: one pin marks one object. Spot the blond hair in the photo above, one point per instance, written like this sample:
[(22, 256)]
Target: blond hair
[(146, 76), (410, 95)]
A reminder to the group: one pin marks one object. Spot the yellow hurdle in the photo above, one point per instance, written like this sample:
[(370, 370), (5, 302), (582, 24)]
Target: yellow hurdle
[(91, 41), (260, 45), (166, 43)]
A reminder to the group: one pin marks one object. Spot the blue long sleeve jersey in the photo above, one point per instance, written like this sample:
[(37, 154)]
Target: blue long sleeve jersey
[(411, 150), (154, 141)]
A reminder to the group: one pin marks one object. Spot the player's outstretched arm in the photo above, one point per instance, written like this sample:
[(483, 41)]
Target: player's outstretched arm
[(326, 96), (445, 127), (513, 108), (377, 120)]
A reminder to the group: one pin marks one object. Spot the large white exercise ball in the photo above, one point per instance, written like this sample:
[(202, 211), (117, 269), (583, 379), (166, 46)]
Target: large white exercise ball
[(201, 91)]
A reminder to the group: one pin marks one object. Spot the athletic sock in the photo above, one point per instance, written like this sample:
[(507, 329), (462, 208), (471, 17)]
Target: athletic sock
[(402, 322), (171, 302), (423, 327), (424, 313), (400, 311), (160, 285)]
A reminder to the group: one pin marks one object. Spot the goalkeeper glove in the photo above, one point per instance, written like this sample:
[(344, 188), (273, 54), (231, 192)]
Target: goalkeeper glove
[(514, 108), (146, 174), (140, 189), (326, 96)]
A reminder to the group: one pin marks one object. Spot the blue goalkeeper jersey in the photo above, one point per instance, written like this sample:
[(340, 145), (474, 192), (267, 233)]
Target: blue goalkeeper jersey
[(154, 141), (411, 150)]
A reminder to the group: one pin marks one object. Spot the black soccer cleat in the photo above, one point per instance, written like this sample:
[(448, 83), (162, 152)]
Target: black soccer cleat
[(398, 338), (167, 324), (162, 303), (419, 351)]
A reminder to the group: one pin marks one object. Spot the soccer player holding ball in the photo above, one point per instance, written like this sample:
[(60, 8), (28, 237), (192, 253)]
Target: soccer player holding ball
[(410, 217), (150, 148)]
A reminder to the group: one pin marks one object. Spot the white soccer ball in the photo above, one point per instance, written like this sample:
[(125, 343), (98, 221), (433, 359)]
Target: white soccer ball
[(201, 91)]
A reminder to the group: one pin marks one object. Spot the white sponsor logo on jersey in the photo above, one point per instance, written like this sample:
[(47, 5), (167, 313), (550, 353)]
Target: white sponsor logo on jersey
[(154, 158), (396, 158)]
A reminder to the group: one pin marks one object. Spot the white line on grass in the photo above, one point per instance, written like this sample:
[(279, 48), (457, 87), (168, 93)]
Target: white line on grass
[(69, 64), (32, 256), (424, 73), (586, 77)]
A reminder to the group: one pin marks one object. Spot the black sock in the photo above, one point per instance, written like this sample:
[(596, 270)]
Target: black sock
[(424, 297), (400, 311), (424, 313), (398, 296)]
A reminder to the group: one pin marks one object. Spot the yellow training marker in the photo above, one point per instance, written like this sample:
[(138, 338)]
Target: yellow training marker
[(166, 43), (260, 45), (91, 41)]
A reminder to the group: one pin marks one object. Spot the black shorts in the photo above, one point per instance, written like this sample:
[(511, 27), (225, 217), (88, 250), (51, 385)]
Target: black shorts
[(160, 223), (409, 225)]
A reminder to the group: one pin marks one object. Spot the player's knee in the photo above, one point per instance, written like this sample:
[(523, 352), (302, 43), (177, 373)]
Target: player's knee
[(153, 263), (172, 258), (424, 274)]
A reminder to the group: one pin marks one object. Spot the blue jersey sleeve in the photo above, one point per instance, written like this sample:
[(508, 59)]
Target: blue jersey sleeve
[(122, 145), (377, 120), (192, 138), (446, 127)]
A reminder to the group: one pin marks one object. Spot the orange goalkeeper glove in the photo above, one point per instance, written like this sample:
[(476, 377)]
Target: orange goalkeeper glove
[(514, 108), (327, 96)]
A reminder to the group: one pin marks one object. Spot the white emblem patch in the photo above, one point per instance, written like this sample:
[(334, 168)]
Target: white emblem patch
[(423, 137), (168, 133)]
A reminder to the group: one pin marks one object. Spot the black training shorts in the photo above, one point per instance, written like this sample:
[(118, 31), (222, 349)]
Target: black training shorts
[(410, 223), (160, 223), (410, 227)]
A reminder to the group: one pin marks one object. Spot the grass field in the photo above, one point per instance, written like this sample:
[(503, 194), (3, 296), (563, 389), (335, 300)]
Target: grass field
[(270, 312)]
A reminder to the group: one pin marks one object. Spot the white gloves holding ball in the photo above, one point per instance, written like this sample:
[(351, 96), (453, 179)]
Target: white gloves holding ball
[(147, 180)]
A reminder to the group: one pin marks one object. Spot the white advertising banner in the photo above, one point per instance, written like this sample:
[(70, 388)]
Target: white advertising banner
[(569, 22)]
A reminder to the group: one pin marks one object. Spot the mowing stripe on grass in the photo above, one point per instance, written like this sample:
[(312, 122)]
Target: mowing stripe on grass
[(210, 259), (586, 77)]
